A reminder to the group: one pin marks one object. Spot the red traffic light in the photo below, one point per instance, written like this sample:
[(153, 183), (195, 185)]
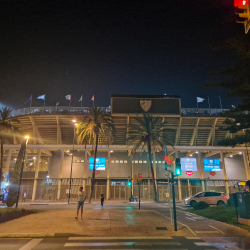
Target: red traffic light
[(167, 160), (240, 3)]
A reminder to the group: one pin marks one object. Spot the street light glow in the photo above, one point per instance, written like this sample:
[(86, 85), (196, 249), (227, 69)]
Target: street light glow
[(73, 120), (26, 137)]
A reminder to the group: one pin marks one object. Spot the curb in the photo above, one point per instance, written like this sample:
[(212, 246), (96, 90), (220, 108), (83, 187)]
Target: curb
[(39, 235)]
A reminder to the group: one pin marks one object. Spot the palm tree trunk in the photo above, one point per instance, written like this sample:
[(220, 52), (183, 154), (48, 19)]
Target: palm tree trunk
[(1, 167), (152, 171), (93, 174)]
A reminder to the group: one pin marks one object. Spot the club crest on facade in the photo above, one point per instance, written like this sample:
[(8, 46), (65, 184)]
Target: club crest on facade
[(145, 104)]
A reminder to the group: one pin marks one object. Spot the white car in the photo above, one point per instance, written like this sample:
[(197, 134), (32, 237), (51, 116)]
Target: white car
[(212, 198)]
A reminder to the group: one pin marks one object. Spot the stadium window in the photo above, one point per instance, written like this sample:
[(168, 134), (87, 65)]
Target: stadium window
[(125, 161), (121, 161), (140, 161), (144, 161), (112, 161), (136, 161), (117, 161)]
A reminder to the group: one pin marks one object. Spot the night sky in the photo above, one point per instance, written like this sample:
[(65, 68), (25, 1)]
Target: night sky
[(113, 47)]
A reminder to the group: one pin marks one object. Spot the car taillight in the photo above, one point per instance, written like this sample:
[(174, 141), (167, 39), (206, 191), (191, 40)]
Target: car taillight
[(225, 197)]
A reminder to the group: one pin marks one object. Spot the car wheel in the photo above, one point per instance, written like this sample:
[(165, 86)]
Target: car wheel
[(220, 203), (192, 203)]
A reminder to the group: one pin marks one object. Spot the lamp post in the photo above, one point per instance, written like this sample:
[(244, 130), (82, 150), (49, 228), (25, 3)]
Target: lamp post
[(72, 155), (21, 173)]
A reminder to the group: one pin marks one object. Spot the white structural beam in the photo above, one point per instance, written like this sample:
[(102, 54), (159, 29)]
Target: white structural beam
[(58, 131), (195, 133), (178, 132), (211, 153), (231, 154), (213, 131), (35, 130)]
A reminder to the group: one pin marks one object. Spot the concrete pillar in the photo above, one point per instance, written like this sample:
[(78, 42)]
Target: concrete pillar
[(224, 172), (60, 175), (36, 175), (189, 188), (85, 169), (132, 174), (246, 165), (108, 173), (8, 161), (201, 167)]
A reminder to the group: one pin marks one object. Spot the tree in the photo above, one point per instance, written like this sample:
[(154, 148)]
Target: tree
[(6, 128), (95, 126), (150, 134), (13, 188)]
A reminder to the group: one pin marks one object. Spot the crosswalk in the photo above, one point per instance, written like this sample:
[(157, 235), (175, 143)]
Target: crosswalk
[(153, 243)]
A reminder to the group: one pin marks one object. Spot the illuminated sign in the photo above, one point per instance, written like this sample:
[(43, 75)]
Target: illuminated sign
[(211, 165), (188, 164), (99, 165)]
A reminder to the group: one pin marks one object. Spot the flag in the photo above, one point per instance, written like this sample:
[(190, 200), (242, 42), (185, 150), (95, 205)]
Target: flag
[(199, 99), (233, 106), (93, 98), (80, 99), (68, 97), (57, 103), (41, 97), (30, 99)]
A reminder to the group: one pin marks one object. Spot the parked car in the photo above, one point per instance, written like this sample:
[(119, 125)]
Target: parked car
[(212, 198)]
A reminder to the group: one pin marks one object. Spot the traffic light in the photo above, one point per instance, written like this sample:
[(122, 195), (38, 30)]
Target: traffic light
[(169, 160), (129, 183), (135, 180), (178, 170), (139, 177), (133, 152), (242, 11)]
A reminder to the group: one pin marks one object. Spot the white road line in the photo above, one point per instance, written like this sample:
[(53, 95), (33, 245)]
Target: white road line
[(207, 232), (202, 244), (30, 245), (216, 229), (192, 238), (190, 218), (179, 223), (103, 244), (123, 238)]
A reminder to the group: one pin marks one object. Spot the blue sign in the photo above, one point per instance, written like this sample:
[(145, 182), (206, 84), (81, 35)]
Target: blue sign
[(211, 165), (165, 151), (188, 164), (99, 164)]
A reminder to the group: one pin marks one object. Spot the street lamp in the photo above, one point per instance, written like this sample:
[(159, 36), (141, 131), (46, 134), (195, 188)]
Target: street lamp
[(70, 179), (21, 174)]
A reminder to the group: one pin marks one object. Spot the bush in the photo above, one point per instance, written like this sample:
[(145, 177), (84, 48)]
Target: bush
[(201, 205), (229, 202)]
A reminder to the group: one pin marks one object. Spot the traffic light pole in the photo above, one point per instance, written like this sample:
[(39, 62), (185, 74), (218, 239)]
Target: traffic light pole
[(174, 207), (139, 196)]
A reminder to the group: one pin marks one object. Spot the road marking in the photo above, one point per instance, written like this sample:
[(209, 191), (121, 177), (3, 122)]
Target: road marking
[(31, 244), (190, 218), (192, 238), (202, 244), (123, 238), (179, 223), (102, 244), (216, 229), (207, 232)]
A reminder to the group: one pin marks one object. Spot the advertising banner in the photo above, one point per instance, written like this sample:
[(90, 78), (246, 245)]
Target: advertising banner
[(99, 165), (188, 164), (211, 165)]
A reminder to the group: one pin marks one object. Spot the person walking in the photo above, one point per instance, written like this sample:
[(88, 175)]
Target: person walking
[(81, 199), (24, 197), (102, 199)]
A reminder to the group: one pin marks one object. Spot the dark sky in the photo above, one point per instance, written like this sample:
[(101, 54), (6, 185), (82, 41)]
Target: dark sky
[(112, 47)]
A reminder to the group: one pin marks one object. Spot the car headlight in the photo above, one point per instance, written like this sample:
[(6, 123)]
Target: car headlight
[(187, 199)]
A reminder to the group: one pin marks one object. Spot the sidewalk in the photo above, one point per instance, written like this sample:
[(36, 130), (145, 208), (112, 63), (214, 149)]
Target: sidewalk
[(94, 223)]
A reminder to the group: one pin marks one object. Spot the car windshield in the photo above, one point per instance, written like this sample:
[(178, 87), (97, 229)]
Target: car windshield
[(197, 195)]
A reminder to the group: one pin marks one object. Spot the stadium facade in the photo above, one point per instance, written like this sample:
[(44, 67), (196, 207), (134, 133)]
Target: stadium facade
[(52, 150)]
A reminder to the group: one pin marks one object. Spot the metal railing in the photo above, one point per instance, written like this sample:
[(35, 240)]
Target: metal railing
[(84, 110)]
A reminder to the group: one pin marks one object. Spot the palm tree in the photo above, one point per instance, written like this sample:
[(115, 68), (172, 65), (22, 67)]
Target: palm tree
[(149, 133), (6, 128), (95, 126)]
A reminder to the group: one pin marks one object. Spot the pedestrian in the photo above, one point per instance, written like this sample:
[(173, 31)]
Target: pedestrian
[(102, 199), (24, 197), (81, 199)]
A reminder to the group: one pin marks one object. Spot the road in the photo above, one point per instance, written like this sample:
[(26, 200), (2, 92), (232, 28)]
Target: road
[(205, 233)]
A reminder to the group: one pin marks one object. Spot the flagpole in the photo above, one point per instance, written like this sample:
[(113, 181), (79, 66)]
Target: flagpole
[(220, 103), (30, 101), (81, 103), (208, 102)]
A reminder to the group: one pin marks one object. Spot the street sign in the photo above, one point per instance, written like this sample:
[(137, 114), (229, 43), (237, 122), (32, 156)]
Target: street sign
[(167, 173), (97, 172), (212, 173), (189, 173)]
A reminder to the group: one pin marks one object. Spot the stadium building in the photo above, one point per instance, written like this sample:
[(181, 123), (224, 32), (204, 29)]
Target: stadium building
[(52, 150)]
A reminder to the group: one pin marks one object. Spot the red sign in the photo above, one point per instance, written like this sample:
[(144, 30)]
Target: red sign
[(212, 173), (167, 160), (240, 3), (189, 173), (97, 172)]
